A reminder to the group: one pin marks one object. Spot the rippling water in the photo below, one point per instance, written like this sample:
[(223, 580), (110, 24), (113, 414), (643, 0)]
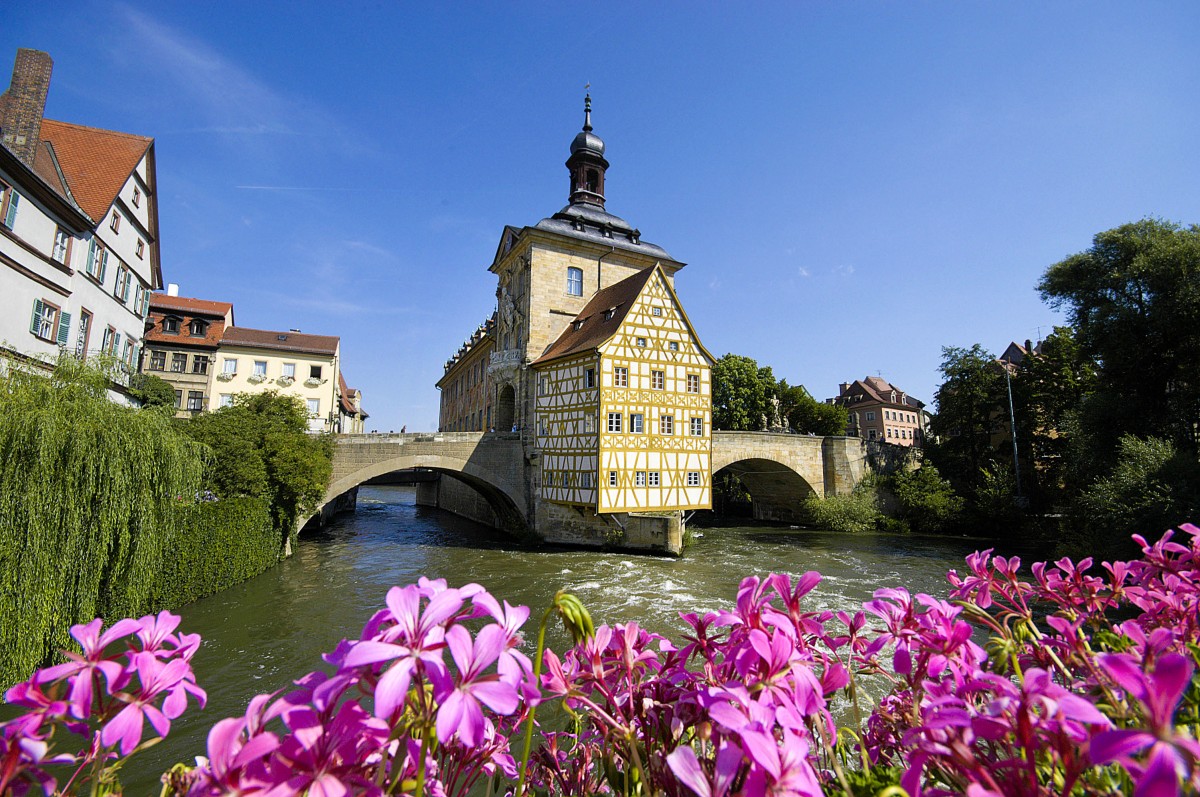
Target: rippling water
[(260, 635)]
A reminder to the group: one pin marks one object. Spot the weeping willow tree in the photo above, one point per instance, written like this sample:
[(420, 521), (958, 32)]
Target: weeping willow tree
[(89, 500)]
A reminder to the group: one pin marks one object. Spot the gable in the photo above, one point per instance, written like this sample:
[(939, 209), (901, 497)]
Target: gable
[(657, 318), (96, 163)]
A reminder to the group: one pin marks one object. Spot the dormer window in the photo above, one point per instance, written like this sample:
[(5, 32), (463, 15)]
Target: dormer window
[(609, 313), (137, 197), (198, 328), (115, 224), (170, 325), (578, 325)]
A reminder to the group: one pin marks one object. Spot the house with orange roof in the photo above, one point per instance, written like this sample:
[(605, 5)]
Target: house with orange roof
[(181, 340), (79, 254)]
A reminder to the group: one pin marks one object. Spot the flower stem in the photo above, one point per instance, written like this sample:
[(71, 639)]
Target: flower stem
[(537, 680)]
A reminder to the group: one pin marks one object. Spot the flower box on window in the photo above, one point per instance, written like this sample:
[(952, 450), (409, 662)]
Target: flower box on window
[(256, 379), (312, 381), (225, 376), (284, 381)]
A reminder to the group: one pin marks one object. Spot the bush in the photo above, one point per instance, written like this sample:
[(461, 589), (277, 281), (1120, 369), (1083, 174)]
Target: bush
[(220, 543), (925, 501), (856, 512)]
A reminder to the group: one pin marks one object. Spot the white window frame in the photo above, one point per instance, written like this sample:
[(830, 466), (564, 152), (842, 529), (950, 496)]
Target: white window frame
[(229, 366), (653, 479), (658, 379), (62, 246), (260, 368), (639, 478), (697, 425), (637, 423), (612, 478), (666, 424), (313, 406), (693, 383), (693, 478), (620, 376), (614, 422), (288, 371), (574, 281), (226, 400)]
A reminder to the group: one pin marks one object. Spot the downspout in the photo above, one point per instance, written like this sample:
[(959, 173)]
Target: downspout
[(599, 261)]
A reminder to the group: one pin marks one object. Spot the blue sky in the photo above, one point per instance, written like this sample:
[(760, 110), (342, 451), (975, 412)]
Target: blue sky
[(853, 185)]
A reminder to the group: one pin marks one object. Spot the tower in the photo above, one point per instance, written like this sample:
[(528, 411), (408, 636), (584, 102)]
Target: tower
[(587, 164)]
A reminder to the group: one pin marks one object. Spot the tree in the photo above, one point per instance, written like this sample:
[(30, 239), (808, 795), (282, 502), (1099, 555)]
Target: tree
[(926, 501), (1134, 301), (262, 448), (151, 390), (970, 401), (740, 393), (804, 414)]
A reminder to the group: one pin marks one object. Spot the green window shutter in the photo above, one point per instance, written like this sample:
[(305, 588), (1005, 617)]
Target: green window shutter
[(103, 265), (116, 344), (64, 328), (125, 292), (91, 264), (36, 323), (11, 216)]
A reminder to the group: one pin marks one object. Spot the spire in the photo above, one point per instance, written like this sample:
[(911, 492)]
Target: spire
[(587, 163)]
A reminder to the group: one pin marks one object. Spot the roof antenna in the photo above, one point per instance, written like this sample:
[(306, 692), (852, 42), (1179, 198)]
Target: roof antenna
[(587, 108)]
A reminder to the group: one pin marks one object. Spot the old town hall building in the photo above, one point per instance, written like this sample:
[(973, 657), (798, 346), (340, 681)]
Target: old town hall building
[(591, 358)]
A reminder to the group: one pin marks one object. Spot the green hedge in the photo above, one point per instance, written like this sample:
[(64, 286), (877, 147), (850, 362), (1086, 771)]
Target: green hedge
[(219, 544)]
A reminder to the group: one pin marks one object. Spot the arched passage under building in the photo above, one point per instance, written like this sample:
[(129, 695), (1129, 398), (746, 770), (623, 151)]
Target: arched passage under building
[(776, 491), (506, 403)]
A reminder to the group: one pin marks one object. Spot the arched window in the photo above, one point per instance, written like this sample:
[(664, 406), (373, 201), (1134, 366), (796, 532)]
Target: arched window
[(592, 181), (575, 281)]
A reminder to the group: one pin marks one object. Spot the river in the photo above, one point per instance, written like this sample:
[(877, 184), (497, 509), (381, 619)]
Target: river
[(260, 635)]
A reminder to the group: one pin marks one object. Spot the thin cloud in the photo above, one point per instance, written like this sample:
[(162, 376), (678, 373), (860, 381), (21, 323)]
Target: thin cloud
[(230, 101), (844, 270), (803, 272)]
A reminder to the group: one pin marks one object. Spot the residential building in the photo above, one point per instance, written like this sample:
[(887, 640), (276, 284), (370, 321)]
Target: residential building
[(590, 358), (466, 402), (292, 363), (78, 228), (182, 336), (881, 411), (351, 414)]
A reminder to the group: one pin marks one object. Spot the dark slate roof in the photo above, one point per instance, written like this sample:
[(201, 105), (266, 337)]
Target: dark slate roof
[(590, 328), (592, 223)]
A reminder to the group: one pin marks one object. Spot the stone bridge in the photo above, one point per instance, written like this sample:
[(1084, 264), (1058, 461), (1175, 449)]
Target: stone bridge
[(778, 470)]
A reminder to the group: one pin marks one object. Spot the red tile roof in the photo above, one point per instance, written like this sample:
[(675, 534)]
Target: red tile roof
[(284, 341), (183, 304), (590, 328), (96, 162)]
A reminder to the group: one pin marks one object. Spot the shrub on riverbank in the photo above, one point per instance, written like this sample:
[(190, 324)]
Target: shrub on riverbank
[(1088, 684), (219, 544), (88, 504), (853, 513)]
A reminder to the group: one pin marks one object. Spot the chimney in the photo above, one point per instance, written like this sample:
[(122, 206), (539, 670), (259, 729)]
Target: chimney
[(842, 388), (1029, 345), (172, 289), (22, 106)]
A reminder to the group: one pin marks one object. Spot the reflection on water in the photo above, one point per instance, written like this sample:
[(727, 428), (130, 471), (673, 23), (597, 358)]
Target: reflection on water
[(260, 635)]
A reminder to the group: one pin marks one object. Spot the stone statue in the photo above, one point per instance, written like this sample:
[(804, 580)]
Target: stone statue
[(508, 310), (776, 420), (764, 428)]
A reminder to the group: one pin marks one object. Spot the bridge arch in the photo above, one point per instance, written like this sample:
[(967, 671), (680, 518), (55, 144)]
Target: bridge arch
[(505, 497), (777, 491)]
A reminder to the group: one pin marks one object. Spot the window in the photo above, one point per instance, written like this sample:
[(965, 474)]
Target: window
[(115, 224), (62, 246), (870, 434), (260, 367), (289, 370), (121, 284), (589, 377), (195, 400), (641, 342), (672, 345), (45, 322), (314, 407), (693, 383), (589, 424), (128, 352), (635, 422), (542, 386), (226, 399), (575, 281), (9, 199), (170, 325), (178, 399), (620, 377), (85, 330), (97, 262), (653, 478), (158, 361), (314, 372), (229, 366), (697, 427), (585, 481), (612, 478), (111, 340), (639, 478), (656, 380), (198, 328), (178, 363), (693, 478), (666, 424), (614, 422), (656, 311), (199, 364), (549, 478), (137, 197), (870, 416)]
